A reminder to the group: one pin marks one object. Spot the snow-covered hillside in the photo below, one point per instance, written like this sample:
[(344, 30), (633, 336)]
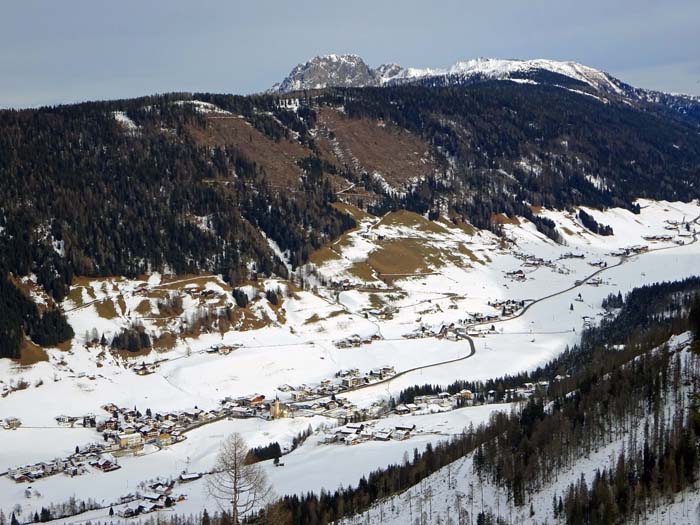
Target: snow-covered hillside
[(460, 491), (400, 294)]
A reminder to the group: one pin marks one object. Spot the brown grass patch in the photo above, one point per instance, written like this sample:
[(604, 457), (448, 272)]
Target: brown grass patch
[(165, 341), (126, 355), (144, 307), (280, 312), (315, 318), (404, 256), (76, 295), (411, 220), (354, 212), (245, 319), (536, 209), (394, 152), (180, 282), (277, 159), (65, 345), (106, 309), (122, 303), (31, 353), (501, 218), (323, 255), (466, 251), (362, 271)]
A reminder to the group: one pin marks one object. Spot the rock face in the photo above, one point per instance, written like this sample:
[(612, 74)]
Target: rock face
[(352, 71), (326, 71)]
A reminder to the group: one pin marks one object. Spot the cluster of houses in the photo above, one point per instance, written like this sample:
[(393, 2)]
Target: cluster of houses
[(74, 465), (87, 421), (158, 496), (507, 307), (445, 401), (356, 340), (596, 281), (194, 290), (290, 104), (661, 238), (144, 369), (453, 331), (11, 423), (629, 251), (223, 349), (532, 261), (355, 433), (127, 428), (343, 381), (386, 312), (571, 255), (517, 275)]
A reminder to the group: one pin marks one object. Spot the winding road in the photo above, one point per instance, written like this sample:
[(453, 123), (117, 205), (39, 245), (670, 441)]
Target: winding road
[(520, 313)]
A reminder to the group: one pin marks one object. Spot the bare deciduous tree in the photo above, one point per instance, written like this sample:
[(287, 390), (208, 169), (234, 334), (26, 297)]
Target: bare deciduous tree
[(236, 483)]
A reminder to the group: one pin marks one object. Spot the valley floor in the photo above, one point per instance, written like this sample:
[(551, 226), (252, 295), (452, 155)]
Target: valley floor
[(408, 317)]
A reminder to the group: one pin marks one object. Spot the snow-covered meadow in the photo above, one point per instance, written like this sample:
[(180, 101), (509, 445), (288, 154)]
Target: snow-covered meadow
[(459, 272)]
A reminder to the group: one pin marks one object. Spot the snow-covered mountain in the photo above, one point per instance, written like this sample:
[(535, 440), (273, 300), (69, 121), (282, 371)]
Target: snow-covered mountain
[(352, 71)]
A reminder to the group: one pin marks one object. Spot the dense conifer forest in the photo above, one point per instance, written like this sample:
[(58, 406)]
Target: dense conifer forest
[(80, 196), (509, 144)]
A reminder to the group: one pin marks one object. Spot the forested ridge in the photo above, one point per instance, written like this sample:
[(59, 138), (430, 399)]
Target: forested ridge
[(81, 196), (508, 144), (128, 187)]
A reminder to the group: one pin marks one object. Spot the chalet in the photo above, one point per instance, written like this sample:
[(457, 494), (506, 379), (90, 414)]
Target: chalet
[(65, 420), (186, 477), (401, 435), (353, 382), (382, 435), (401, 409), (129, 512), (330, 438), (240, 412), (351, 439), (466, 394), (152, 497), (254, 400), (164, 439), (300, 395), (105, 465), (130, 440), (12, 423)]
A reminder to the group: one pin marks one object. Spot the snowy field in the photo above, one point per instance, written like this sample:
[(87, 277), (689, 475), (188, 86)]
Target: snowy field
[(299, 347)]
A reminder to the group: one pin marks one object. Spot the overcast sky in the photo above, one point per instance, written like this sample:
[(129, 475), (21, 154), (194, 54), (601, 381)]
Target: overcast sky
[(73, 50)]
